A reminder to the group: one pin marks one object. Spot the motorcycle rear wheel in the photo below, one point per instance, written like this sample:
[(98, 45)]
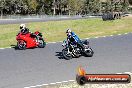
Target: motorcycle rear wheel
[(89, 53), (42, 44)]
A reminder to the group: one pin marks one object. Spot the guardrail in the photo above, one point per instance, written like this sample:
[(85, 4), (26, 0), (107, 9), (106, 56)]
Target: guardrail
[(40, 18), (36, 16)]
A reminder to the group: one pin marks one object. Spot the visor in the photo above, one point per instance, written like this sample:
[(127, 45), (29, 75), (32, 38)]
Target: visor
[(21, 27)]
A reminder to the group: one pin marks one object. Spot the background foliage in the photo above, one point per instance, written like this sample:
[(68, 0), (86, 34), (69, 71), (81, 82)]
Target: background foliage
[(61, 7)]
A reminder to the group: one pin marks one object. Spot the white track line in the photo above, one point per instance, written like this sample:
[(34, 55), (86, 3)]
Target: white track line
[(52, 42), (2, 48), (45, 84), (128, 72), (118, 73), (104, 36), (71, 80), (50, 84), (58, 82), (5, 48), (96, 37), (64, 81), (87, 38)]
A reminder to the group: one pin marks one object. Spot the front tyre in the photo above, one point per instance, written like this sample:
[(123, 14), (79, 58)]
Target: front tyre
[(88, 52), (66, 55), (21, 45)]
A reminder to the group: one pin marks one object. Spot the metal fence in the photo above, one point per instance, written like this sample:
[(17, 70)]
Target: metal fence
[(36, 16)]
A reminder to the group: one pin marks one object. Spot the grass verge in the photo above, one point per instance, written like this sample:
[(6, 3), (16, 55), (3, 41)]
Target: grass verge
[(55, 30)]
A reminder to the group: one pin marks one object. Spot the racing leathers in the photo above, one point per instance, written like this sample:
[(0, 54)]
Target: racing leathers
[(74, 39), (26, 30)]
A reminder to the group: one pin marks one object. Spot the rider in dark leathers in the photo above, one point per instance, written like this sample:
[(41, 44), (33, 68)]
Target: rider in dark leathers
[(72, 38)]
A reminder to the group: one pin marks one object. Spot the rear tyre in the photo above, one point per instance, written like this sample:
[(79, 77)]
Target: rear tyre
[(42, 44), (66, 55), (89, 52)]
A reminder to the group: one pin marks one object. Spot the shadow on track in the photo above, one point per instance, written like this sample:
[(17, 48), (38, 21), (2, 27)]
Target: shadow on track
[(59, 55), (15, 47)]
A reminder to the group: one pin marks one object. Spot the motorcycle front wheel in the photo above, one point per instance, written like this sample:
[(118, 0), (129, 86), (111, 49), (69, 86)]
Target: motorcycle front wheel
[(66, 55), (21, 45)]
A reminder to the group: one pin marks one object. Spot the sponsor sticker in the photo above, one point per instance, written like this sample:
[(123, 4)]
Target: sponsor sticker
[(83, 78)]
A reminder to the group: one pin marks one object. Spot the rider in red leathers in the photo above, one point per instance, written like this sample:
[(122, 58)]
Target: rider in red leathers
[(25, 30)]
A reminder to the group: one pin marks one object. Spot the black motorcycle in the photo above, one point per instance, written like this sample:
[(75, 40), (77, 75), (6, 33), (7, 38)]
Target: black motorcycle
[(74, 51)]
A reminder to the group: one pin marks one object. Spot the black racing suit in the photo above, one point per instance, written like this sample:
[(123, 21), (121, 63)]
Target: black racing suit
[(73, 39)]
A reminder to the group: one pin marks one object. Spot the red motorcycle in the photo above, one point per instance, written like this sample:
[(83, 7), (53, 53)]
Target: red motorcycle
[(29, 40)]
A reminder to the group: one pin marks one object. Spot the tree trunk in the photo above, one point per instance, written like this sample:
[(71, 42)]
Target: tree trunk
[(54, 8), (1, 13)]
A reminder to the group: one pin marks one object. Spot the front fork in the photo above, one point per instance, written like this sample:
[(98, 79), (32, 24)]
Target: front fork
[(71, 52)]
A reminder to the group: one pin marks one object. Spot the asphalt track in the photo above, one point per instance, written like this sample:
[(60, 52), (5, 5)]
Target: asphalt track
[(23, 68)]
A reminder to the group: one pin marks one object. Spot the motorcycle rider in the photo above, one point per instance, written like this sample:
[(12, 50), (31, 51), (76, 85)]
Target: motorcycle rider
[(25, 30), (72, 38)]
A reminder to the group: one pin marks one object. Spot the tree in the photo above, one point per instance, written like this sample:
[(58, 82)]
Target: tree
[(125, 5), (32, 5), (130, 2), (56, 7), (75, 6), (44, 7), (92, 6)]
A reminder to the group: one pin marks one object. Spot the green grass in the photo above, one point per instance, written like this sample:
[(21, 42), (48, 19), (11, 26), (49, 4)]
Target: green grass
[(55, 30)]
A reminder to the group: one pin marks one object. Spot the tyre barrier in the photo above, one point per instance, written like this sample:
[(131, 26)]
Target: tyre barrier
[(111, 16)]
